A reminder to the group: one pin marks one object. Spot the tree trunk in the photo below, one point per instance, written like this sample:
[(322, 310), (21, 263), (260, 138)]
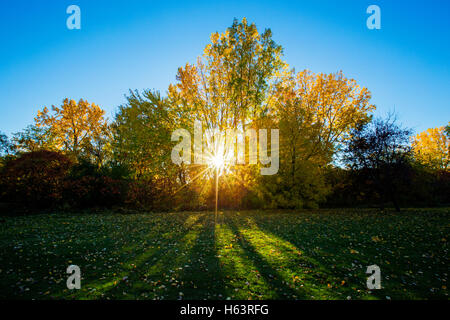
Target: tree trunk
[(394, 200)]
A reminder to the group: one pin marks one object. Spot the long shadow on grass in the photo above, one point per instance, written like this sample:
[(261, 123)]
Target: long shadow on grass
[(307, 275), (273, 278), (336, 271), (241, 275), (99, 244), (155, 273), (203, 278)]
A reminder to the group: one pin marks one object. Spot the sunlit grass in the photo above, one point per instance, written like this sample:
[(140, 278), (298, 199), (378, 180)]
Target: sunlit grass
[(242, 277), (236, 255)]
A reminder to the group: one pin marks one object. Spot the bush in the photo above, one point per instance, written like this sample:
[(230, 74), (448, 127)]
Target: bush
[(94, 191), (35, 179), (428, 188), (151, 194), (89, 186)]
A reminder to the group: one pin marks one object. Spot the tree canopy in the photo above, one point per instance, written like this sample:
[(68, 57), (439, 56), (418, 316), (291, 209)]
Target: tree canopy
[(432, 148), (239, 82)]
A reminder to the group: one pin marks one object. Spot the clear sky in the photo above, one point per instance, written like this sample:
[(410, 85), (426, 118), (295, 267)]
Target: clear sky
[(135, 44)]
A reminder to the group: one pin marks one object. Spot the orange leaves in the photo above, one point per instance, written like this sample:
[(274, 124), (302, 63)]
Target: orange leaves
[(74, 125)]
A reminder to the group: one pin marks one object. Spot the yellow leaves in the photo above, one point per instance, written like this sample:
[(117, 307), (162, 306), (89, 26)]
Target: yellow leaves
[(230, 82), (43, 112), (333, 101), (255, 35), (207, 49), (227, 51), (214, 37), (353, 251), (376, 239), (74, 125), (318, 108), (432, 148)]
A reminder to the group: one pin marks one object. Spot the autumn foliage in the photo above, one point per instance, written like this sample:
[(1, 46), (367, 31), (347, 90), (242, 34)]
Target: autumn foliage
[(73, 156), (432, 148)]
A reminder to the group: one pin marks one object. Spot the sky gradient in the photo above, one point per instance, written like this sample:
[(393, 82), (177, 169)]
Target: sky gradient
[(135, 44)]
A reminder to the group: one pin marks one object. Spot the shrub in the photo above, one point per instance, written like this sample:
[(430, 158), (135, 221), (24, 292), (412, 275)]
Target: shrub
[(35, 179), (89, 186), (92, 191), (150, 194)]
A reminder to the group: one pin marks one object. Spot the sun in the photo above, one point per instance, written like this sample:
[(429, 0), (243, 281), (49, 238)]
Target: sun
[(217, 162), (217, 158)]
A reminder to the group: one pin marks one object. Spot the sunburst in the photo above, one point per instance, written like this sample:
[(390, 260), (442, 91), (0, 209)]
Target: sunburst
[(218, 158)]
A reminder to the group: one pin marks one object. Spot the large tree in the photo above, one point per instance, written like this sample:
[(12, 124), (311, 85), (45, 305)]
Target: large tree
[(240, 82), (315, 113), (142, 131), (228, 86), (75, 127), (379, 155)]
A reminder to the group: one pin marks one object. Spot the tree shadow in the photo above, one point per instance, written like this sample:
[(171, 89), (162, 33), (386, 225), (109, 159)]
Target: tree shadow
[(276, 281), (302, 271), (150, 274), (341, 264)]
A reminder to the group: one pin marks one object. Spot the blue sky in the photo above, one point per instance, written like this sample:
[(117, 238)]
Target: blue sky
[(140, 44)]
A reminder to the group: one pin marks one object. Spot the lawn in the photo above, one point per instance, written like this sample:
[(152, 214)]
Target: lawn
[(319, 254)]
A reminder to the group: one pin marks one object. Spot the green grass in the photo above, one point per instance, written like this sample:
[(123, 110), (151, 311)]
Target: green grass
[(320, 254)]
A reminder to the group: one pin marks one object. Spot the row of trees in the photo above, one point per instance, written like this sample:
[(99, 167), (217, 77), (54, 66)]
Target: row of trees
[(331, 150)]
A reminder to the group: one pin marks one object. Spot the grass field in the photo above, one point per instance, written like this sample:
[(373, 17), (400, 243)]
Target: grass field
[(320, 254)]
